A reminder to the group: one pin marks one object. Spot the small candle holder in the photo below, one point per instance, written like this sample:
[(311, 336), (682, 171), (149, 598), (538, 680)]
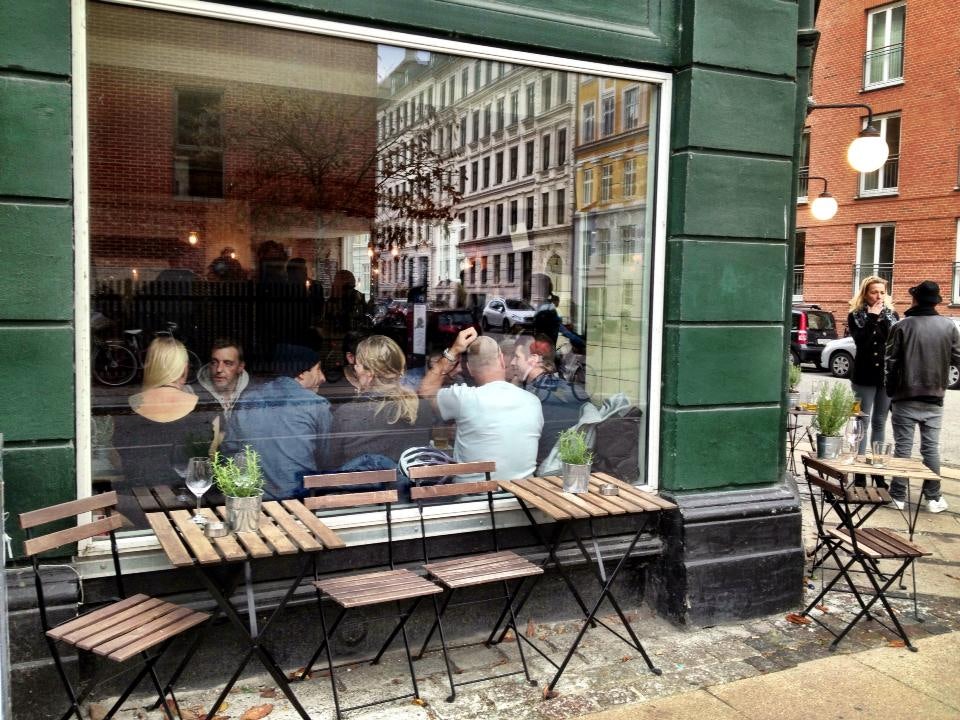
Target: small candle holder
[(215, 530)]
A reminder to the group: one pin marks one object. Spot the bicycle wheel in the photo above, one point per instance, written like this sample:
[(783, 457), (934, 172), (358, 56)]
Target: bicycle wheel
[(114, 365), (195, 363)]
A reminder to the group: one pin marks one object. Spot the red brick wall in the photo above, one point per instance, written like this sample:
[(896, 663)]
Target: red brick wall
[(928, 204)]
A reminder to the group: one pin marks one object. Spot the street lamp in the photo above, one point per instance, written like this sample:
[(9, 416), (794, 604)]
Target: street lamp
[(869, 151), (825, 206)]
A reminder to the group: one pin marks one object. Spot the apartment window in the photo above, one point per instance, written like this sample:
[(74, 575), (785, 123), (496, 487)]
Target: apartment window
[(475, 223), (629, 177), (544, 209), (463, 179), (477, 69), (475, 130), (514, 215), (496, 269), (546, 92), (514, 162), (528, 158), (545, 152), (885, 179), (473, 272), (514, 107), (443, 95), (198, 158), (608, 108), (498, 168), (511, 267), (603, 245), (803, 173), (606, 183), (875, 245), (453, 88), (561, 207), (499, 218), (483, 270), (500, 113), (474, 176), (587, 128), (464, 82), (463, 130), (587, 186), (883, 61), (531, 99), (562, 88), (486, 172), (561, 146), (487, 117), (631, 108), (529, 212), (486, 221)]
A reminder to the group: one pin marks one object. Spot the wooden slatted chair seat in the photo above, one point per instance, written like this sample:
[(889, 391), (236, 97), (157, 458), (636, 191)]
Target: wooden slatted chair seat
[(868, 495), (880, 543), (481, 569), (123, 629), (376, 587)]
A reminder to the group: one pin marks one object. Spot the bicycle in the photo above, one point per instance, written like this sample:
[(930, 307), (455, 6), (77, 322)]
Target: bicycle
[(117, 362)]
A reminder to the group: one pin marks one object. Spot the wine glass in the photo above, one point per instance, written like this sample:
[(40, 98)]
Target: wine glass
[(199, 480), (853, 434)]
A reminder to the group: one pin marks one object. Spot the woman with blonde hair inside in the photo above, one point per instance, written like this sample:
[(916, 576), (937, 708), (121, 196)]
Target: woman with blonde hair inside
[(869, 322), (371, 431), (162, 430)]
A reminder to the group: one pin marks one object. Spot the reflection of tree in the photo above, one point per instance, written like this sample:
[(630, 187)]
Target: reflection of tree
[(307, 156)]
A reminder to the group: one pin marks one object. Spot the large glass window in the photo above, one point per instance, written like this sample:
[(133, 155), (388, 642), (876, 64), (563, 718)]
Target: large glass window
[(273, 200), (875, 246), (886, 179), (883, 61)]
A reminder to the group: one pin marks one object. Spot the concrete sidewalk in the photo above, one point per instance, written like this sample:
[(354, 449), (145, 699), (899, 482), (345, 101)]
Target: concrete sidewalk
[(760, 668)]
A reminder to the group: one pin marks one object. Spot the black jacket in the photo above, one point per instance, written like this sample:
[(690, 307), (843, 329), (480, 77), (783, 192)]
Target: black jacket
[(870, 332), (919, 353)]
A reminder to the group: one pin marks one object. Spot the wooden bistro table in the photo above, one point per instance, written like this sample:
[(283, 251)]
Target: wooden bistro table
[(573, 514), (286, 528)]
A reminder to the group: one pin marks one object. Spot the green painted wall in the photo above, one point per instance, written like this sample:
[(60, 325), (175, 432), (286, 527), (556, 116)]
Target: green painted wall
[(36, 254), (730, 200)]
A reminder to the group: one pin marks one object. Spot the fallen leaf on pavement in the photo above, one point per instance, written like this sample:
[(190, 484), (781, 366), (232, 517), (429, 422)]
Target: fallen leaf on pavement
[(295, 674), (797, 619), (531, 628), (823, 608), (419, 701), (626, 658), (897, 643), (257, 712), (549, 694), (268, 692)]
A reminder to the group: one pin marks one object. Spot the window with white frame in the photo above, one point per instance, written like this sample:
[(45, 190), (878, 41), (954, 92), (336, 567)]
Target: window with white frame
[(883, 60), (629, 177), (803, 173), (631, 107), (587, 122), (322, 248), (875, 251), (884, 180), (608, 106)]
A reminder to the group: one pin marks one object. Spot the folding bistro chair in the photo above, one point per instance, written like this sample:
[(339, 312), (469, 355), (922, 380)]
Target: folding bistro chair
[(496, 566), (132, 626), (369, 588), (851, 544), (862, 502)]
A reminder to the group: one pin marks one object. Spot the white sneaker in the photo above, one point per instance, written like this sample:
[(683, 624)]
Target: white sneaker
[(898, 504), (936, 506)]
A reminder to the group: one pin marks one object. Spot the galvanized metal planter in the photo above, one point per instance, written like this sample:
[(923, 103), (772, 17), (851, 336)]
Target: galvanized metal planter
[(828, 446), (243, 513), (576, 478)]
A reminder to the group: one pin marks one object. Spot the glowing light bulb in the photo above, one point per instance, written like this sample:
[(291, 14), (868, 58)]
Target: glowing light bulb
[(824, 207), (868, 152)]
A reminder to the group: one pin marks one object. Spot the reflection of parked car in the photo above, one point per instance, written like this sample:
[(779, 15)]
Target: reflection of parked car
[(838, 356), (505, 314), (810, 330), (443, 326)]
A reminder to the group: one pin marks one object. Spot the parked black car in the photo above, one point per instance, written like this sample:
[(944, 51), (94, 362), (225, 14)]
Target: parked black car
[(811, 329)]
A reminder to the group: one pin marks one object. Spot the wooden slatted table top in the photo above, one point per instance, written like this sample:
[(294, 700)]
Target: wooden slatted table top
[(912, 468), (546, 494), (286, 527)]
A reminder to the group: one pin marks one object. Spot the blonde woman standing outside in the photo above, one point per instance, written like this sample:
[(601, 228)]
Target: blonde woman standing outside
[(869, 322)]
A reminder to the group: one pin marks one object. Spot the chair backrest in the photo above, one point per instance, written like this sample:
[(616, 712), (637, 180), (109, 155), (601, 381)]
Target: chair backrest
[(833, 485), (355, 498), (422, 494), (34, 545)]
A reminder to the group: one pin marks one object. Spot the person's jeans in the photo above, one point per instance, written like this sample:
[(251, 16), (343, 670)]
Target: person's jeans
[(929, 417), (875, 404)]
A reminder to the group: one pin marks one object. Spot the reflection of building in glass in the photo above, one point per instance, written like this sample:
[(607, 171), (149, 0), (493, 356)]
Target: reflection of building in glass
[(611, 226), (503, 133)]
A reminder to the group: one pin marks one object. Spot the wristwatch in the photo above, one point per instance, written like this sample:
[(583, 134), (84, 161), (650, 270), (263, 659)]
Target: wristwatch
[(449, 355)]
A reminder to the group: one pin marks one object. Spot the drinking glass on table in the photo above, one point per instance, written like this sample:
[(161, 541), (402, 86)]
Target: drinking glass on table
[(199, 480), (881, 453), (853, 433)]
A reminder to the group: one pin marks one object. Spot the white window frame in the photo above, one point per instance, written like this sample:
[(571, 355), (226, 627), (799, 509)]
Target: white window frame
[(604, 99), (629, 177), (885, 74), (588, 125), (587, 186), (606, 182), (880, 122), (875, 260), (627, 125), (356, 528)]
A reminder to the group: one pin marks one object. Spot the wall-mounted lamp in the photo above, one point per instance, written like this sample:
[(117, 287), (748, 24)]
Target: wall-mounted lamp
[(869, 151), (193, 237), (825, 206)]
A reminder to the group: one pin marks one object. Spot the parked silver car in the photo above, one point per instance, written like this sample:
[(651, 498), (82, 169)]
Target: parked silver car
[(838, 355), (505, 314)]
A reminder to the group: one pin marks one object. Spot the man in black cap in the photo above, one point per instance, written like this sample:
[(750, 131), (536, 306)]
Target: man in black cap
[(286, 422), (919, 352)]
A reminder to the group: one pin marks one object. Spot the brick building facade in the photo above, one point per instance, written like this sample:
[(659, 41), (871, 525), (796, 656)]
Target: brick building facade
[(902, 222)]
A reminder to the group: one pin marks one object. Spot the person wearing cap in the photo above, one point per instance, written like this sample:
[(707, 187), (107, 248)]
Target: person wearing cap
[(918, 355), (286, 421), (535, 368), (495, 420)]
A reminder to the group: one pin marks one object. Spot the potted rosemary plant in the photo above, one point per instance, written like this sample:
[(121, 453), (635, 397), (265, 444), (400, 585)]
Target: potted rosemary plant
[(241, 481), (793, 384), (834, 406), (576, 458)]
